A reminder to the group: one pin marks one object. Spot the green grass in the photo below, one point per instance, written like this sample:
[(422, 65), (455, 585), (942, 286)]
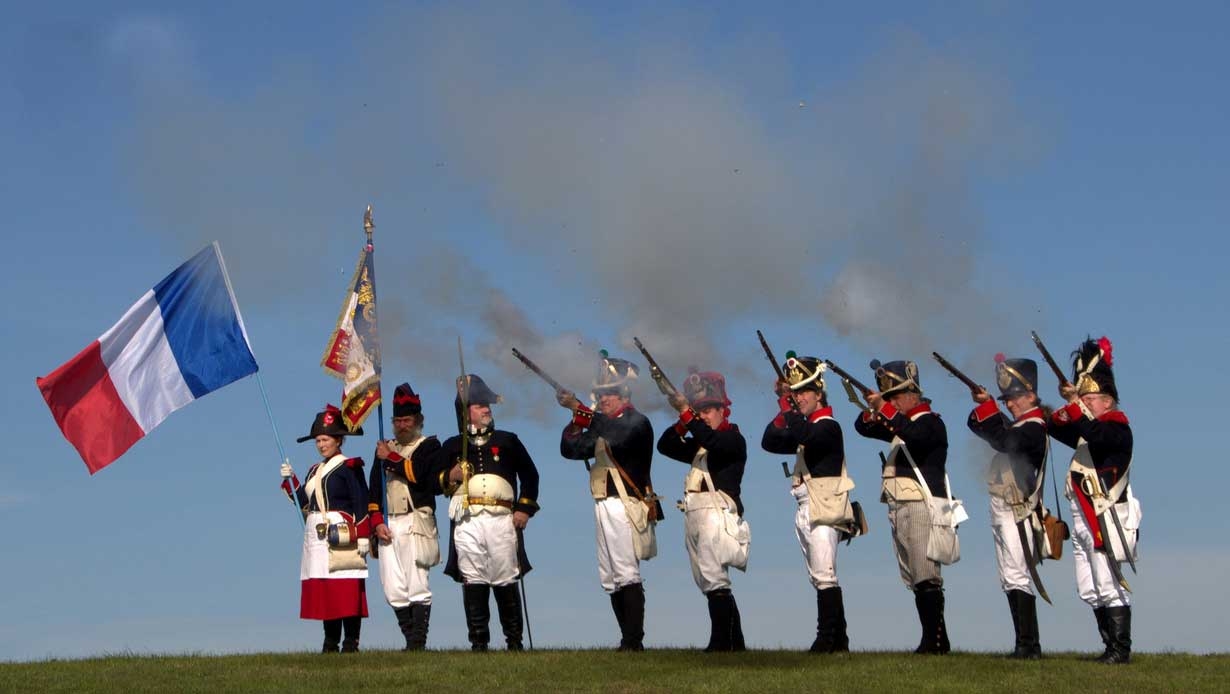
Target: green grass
[(606, 671)]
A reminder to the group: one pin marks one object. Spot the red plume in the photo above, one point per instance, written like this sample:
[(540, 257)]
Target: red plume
[(1000, 358), (1105, 346)]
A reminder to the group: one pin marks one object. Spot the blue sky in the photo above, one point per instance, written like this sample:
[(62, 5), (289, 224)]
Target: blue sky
[(856, 182)]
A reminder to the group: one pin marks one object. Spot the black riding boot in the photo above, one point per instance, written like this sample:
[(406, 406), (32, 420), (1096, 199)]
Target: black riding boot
[(420, 617), (1119, 625), (1027, 633), (830, 622), (617, 606), (929, 601), (333, 635), (404, 620), (1099, 613), (508, 602), (478, 614), (725, 632), (632, 619)]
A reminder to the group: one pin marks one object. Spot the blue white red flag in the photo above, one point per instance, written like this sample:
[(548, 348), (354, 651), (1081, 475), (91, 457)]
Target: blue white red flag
[(184, 338), (353, 351)]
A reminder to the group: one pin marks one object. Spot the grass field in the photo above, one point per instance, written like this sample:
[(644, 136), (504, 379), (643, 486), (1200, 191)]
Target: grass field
[(606, 671)]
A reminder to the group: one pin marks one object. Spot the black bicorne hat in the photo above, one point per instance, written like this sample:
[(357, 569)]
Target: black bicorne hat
[(804, 373), (614, 375), (896, 377), (1015, 376), (329, 422), (1091, 368), (477, 392), (406, 403)]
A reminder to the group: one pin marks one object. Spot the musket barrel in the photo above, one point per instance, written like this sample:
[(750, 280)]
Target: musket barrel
[(529, 364), (969, 382), (1046, 355), (846, 375)]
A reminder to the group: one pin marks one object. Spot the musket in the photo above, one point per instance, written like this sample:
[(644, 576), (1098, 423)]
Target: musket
[(529, 364), (969, 382), (664, 384), (463, 421), (845, 376), (777, 368), (1046, 354)]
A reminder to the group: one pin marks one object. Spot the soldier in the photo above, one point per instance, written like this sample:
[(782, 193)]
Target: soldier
[(1105, 513), (621, 441), (333, 569), (1015, 485), (486, 550), (805, 427), (900, 415), (715, 533), (403, 510)]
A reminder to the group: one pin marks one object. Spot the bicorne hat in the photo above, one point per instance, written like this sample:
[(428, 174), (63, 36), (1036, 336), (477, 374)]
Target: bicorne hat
[(477, 392), (329, 422)]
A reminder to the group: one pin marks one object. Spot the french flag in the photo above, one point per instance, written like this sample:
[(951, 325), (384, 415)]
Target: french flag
[(182, 339)]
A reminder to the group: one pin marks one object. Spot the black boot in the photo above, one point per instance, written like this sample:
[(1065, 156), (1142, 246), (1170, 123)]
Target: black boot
[(508, 602), (617, 606), (1119, 626), (1099, 613), (929, 601), (736, 627), (404, 620), (830, 622), (723, 621), (420, 616), (352, 626), (333, 635), (478, 614), (632, 620), (1014, 605), (1027, 636)]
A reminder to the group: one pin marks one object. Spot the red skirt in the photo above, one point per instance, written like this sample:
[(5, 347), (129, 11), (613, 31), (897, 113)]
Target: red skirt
[(332, 598)]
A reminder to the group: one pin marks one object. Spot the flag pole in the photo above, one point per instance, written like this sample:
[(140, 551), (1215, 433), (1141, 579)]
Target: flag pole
[(260, 382), (368, 227)]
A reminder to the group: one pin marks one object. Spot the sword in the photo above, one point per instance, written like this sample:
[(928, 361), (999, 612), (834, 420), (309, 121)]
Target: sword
[(1031, 560), (1110, 556), (1114, 517)]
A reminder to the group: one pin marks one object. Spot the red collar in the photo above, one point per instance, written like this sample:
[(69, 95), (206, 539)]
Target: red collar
[(1035, 413), (1115, 416), (822, 412), (620, 412), (922, 407)]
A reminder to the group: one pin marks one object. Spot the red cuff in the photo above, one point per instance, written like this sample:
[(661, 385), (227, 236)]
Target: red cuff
[(887, 410), (784, 403), (375, 516), (986, 410), (583, 417), (868, 416), (1068, 413), (289, 486), (779, 422), (681, 427), (394, 457)]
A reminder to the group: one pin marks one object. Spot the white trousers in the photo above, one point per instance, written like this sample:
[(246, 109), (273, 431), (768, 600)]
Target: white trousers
[(486, 546), (403, 580), (617, 562), (818, 542), (702, 535), (1009, 558), (1094, 582)]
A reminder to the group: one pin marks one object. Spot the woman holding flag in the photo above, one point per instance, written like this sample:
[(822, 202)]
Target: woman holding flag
[(333, 499)]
